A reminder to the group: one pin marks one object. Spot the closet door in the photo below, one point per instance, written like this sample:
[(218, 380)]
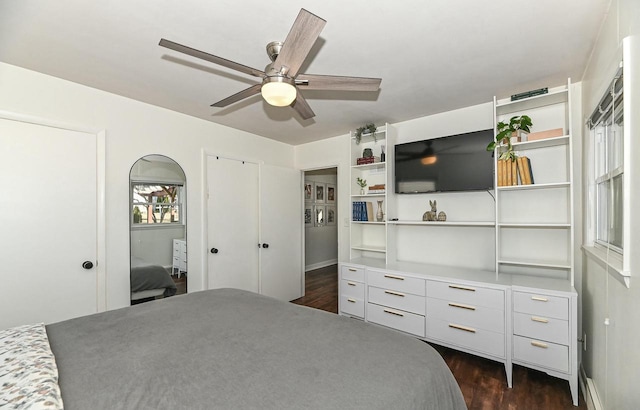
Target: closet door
[(48, 213), (232, 214), (281, 270)]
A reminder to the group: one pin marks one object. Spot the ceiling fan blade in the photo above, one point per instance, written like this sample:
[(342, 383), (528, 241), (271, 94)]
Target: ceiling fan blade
[(333, 82), (304, 33), (253, 90), (302, 107), (211, 58)]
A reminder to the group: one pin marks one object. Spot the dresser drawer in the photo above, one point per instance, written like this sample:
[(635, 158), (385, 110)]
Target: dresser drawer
[(472, 295), (352, 289), (468, 315), (352, 273), (352, 306), (549, 355), (473, 338), (543, 328), (396, 319), (397, 282), (541, 305), (397, 300)]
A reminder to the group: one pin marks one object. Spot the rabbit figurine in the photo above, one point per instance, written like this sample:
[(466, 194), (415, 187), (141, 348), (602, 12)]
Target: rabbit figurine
[(432, 214)]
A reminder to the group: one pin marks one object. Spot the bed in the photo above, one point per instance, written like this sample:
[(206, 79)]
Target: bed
[(232, 349), (149, 280)]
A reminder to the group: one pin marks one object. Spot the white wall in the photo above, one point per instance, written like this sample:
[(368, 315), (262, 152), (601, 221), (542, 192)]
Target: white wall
[(612, 359), (321, 243), (134, 129)]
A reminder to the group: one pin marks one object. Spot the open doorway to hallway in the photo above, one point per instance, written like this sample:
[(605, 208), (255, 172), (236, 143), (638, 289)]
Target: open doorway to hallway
[(321, 230)]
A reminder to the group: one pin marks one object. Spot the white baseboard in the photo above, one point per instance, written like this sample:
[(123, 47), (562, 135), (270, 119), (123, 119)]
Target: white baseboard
[(322, 264), (590, 393)]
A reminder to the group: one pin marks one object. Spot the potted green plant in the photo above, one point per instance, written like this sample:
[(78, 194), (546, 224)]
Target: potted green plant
[(367, 129), (508, 130), (362, 183)]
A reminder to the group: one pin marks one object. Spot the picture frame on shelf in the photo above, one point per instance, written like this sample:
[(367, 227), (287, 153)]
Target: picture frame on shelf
[(308, 216), (309, 190), (331, 216), (320, 193), (319, 215), (331, 194)]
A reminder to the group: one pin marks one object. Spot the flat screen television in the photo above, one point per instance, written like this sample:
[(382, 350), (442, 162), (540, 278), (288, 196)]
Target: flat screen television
[(452, 163)]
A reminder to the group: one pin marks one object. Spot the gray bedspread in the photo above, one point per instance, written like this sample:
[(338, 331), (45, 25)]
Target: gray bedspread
[(145, 276), (231, 349)]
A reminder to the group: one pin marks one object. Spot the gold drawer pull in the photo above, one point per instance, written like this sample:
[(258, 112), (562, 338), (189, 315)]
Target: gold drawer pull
[(389, 292), (539, 344), (353, 270), (457, 305), (466, 329), (351, 300), (539, 319), (391, 312), (539, 299), (394, 277), (351, 284), (462, 288)]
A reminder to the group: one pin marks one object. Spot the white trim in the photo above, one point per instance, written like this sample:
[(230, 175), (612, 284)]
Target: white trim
[(101, 229), (612, 264), (30, 119), (589, 392), (319, 265)]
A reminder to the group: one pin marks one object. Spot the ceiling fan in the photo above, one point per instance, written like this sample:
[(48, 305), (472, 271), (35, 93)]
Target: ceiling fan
[(281, 81)]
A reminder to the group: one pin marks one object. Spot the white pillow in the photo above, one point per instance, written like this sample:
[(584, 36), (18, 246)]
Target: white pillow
[(28, 371)]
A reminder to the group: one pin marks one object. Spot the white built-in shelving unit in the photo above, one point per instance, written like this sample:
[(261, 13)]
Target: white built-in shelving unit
[(534, 223), (523, 311), (369, 238)]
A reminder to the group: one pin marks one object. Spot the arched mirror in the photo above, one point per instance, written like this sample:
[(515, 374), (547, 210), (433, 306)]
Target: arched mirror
[(158, 229)]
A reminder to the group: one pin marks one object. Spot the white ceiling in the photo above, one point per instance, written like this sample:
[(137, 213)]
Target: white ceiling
[(432, 55)]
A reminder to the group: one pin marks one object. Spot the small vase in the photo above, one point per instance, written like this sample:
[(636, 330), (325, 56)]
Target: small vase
[(379, 214), (361, 191)]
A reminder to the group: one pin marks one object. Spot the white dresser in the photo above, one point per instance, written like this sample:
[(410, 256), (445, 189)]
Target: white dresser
[(529, 321), (179, 257)]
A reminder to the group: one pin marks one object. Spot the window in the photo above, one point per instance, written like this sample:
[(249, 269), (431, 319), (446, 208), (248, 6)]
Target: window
[(155, 203), (607, 126)]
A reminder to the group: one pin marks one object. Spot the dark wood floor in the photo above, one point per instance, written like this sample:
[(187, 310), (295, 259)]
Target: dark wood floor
[(482, 381)]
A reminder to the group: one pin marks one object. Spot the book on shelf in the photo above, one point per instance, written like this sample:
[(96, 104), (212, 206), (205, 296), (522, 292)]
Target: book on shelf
[(362, 211), (370, 214), (367, 160), (376, 191), (514, 172), (507, 172)]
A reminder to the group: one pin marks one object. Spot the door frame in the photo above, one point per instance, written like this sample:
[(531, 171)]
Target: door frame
[(101, 266)]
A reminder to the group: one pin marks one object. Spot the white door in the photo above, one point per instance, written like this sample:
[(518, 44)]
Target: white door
[(232, 212), (281, 273), (48, 216)]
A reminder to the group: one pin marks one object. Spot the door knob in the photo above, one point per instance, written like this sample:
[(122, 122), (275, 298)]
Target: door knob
[(265, 245), (214, 250), (87, 264)]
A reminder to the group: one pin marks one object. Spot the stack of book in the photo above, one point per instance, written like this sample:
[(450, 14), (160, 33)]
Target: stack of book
[(515, 172), (377, 189), (367, 160), (363, 211)]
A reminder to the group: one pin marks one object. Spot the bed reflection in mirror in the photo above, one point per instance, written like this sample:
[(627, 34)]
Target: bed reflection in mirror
[(157, 218)]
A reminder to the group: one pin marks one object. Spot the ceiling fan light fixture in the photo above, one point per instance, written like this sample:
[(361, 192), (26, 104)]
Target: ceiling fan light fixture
[(278, 91), (429, 159)]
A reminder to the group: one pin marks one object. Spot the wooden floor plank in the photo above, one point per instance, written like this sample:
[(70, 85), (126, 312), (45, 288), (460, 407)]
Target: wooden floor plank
[(482, 381)]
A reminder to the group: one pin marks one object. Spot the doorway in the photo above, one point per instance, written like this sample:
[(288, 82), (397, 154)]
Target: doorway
[(321, 232)]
